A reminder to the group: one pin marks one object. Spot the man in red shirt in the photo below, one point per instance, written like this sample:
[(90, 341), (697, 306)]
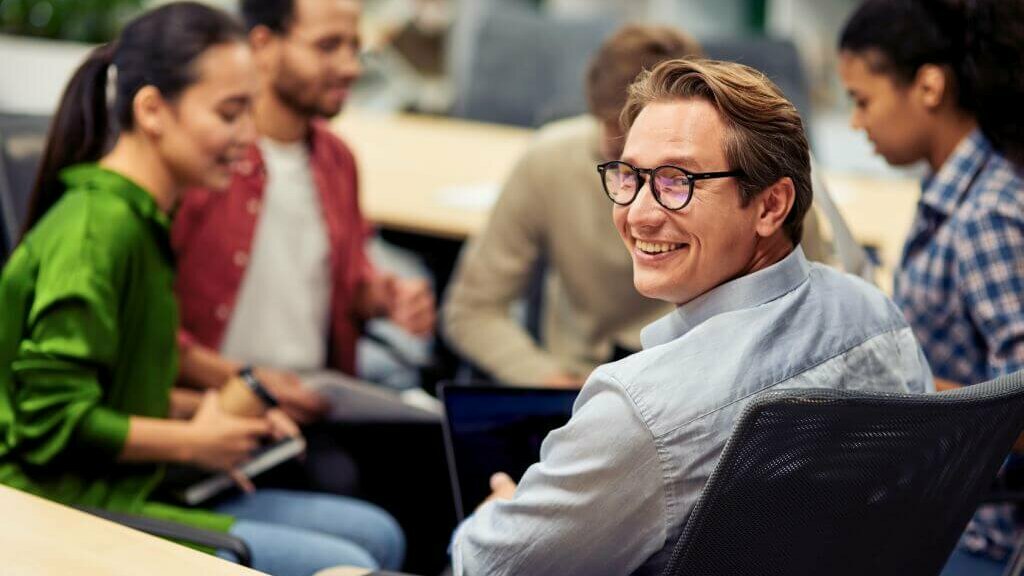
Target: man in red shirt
[(273, 272)]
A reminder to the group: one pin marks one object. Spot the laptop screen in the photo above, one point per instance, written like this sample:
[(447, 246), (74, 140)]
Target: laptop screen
[(497, 429)]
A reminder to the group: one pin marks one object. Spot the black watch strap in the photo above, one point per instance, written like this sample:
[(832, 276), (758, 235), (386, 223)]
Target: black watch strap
[(249, 377)]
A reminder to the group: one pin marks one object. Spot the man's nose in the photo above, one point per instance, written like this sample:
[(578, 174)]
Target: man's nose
[(348, 64), (645, 210)]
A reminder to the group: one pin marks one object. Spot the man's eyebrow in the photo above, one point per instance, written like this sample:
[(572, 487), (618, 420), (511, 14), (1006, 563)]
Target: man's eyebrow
[(688, 162)]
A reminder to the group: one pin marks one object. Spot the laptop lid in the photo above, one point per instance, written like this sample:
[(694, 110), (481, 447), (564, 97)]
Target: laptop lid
[(490, 429)]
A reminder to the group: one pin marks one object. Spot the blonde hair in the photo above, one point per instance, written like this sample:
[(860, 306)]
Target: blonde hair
[(765, 136), (623, 55)]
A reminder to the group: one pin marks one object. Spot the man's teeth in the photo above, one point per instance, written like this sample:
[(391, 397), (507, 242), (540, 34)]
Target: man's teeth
[(656, 247)]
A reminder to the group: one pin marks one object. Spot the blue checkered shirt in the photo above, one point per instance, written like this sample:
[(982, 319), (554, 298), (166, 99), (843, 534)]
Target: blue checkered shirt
[(961, 287), (961, 279)]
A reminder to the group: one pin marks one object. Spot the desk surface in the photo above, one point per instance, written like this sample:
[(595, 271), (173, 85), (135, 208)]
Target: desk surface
[(429, 175), (438, 176), (39, 537)]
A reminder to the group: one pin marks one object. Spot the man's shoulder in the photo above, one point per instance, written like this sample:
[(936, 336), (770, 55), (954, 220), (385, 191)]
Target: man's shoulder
[(733, 355), (569, 134)]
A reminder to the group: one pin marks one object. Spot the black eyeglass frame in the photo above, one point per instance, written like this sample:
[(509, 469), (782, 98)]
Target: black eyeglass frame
[(646, 175)]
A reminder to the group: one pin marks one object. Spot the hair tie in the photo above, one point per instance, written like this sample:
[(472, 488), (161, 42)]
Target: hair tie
[(111, 88)]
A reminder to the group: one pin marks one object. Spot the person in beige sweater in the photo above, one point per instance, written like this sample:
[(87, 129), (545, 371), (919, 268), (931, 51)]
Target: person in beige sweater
[(552, 207)]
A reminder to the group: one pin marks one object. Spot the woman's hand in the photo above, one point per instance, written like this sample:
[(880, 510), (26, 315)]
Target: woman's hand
[(281, 425), (220, 441)]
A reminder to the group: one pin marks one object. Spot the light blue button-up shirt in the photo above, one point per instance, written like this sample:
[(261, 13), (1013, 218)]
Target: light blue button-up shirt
[(615, 485)]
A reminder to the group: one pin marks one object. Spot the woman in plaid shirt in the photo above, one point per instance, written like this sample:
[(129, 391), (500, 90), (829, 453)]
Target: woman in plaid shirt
[(939, 81)]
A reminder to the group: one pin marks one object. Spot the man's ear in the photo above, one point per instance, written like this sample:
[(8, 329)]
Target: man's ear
[(149, 111), (263, 43), (931, 85), (773, 206)]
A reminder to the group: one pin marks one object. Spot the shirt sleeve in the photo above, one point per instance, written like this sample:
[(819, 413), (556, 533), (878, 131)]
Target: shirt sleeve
[(594, 504), (492, 274), (990, 265), (70, 345)]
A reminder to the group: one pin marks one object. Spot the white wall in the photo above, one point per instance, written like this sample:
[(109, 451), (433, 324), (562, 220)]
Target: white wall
[(33, 72)]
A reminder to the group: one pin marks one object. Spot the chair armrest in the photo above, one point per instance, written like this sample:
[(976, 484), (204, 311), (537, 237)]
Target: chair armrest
[(181, 532)]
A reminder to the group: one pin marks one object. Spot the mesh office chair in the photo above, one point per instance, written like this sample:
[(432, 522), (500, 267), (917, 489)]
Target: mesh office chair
[(842, 483)]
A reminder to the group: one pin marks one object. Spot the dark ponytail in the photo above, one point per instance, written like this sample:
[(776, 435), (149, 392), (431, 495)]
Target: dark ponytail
[(78, 133), (994, 62), (156, 49)]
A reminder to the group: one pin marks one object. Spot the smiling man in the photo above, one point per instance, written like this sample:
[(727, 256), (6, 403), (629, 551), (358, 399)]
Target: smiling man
[(709, 194), (274, 272)]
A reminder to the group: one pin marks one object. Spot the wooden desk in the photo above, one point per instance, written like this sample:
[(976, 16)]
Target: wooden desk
[(419, 174), (39, 537), (427, 175)]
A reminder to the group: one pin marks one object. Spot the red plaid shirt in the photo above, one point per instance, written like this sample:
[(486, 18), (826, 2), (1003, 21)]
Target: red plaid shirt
[(213, 235)]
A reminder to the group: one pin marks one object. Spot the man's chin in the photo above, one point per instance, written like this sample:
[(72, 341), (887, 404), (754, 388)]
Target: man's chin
[(649, 289), (330, 109)]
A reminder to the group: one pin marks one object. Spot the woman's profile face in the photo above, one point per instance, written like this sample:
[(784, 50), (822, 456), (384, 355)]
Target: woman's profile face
[(211, 124), (889, 113)]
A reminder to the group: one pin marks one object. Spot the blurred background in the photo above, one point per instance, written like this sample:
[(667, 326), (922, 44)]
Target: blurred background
[(507, 61)]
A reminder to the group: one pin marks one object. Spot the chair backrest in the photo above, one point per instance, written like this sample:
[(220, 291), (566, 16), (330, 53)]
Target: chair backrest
[(517, 65), (22, 138), (778, 58), (522, 67), (842, 483), (849, 255)]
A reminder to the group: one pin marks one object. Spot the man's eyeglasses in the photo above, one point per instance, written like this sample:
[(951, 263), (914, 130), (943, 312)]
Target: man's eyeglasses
[(671, 186)]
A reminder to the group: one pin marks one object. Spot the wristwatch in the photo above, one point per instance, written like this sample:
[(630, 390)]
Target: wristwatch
[(249, 377)]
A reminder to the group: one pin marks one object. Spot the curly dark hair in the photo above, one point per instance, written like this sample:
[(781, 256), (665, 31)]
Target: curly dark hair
[(981, 42)]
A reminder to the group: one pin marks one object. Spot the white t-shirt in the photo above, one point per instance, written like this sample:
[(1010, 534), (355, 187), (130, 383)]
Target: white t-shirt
[(282, 315)]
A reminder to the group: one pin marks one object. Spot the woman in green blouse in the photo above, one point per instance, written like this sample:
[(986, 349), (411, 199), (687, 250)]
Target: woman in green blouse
[(88, 351)]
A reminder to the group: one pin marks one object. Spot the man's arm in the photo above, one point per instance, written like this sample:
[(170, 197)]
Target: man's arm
[(594, 504), (494, 272), (407, 302)]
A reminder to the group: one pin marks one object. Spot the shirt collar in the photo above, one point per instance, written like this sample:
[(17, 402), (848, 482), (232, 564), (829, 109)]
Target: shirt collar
[(317, 141), (747, 291), (943, 190), (93, 177)]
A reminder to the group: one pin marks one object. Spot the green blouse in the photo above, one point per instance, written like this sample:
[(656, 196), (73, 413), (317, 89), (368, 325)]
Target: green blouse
[(88, 324)]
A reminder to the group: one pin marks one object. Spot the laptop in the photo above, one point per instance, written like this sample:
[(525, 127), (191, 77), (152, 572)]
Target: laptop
[(490, 429)]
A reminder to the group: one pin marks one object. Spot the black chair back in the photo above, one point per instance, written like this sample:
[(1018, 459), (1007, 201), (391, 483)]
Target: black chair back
[(842, 483), (22, 138)]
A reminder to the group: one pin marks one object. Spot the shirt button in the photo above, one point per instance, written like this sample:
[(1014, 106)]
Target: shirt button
[(253, 206), (222, 312), (241, 259)]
